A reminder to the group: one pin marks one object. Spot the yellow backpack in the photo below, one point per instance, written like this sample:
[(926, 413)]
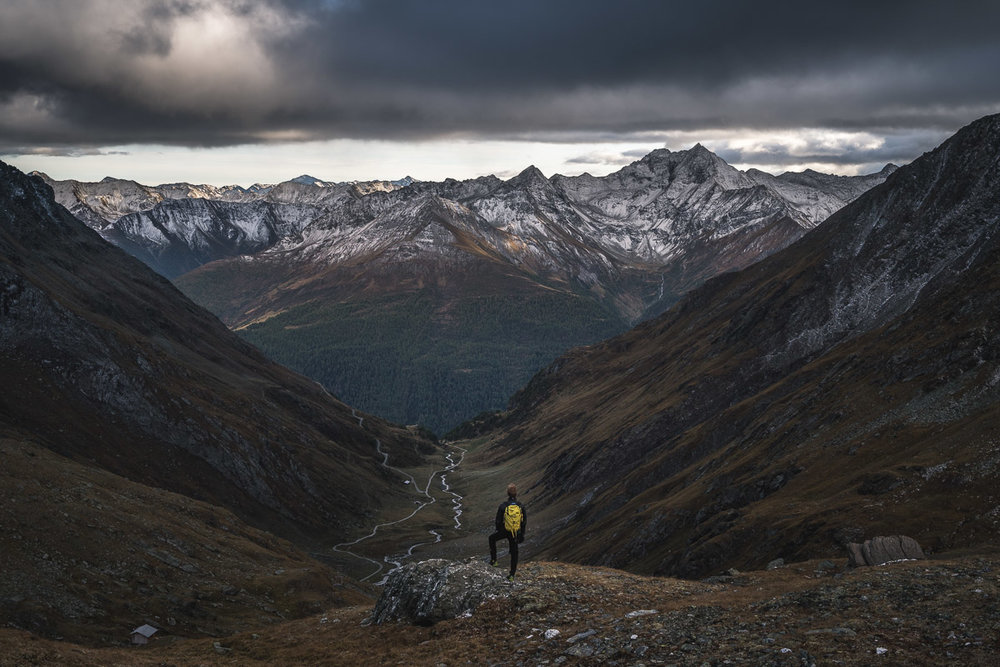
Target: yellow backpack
[(512, 518)]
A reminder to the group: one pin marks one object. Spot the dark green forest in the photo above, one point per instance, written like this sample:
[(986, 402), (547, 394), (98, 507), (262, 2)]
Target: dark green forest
[(418, 359)]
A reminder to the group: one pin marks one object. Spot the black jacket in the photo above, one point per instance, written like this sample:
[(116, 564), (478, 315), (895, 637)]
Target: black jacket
[(524, 518)]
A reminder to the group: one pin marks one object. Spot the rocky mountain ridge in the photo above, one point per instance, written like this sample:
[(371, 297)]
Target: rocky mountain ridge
[(585, 255), (177, 227), (651, 211)]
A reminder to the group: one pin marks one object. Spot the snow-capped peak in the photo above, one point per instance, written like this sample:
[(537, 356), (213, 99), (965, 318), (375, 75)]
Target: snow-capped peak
[(531, 174)]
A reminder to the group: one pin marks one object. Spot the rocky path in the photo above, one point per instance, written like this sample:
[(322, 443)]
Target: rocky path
[(396, 561)]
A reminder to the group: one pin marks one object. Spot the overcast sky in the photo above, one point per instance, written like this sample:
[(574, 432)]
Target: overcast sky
[(238, 91)]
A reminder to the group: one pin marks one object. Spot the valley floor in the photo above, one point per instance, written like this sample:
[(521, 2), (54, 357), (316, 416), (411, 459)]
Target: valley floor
[(942, 611)]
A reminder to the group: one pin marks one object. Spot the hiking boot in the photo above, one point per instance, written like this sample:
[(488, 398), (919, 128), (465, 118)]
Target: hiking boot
[(510, 578), (494, 563)]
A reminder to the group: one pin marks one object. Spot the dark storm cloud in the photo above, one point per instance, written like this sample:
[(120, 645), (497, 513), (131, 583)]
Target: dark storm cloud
[(216, 72), (570, 43)]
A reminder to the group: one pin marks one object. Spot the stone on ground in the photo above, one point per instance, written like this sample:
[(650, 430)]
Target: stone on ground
[(882, 550), (435, 590)]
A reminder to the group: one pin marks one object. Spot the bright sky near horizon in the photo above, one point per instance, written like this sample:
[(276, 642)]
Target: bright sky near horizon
[(244, 91)]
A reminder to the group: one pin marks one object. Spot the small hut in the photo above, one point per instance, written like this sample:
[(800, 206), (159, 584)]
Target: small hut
[(142, 634)]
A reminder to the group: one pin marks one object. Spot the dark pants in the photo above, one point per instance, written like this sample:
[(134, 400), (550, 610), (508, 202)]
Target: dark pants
[(512, 545)]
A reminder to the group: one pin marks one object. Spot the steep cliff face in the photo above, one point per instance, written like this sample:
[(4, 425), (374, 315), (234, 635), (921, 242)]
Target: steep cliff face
[(106, 362), (845, 386)]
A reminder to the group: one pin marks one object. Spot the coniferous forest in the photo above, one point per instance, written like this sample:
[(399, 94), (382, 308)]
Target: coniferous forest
[(400, 357)]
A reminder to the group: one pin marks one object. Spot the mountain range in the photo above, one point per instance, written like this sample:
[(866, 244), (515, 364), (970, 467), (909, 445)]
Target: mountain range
[(431, 302), (649, 211), (845, 387)]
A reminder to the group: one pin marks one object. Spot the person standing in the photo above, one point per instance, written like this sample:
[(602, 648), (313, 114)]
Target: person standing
[(511, 521)]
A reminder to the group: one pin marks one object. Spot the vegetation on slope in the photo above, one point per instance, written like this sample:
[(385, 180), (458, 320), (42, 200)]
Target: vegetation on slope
[(410, 360), (88, 556)]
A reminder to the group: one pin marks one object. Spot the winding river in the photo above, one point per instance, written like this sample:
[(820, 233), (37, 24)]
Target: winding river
[(456, 501)]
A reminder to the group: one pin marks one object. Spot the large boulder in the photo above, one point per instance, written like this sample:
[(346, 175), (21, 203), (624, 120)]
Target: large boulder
[(882, 550), (435, 590)]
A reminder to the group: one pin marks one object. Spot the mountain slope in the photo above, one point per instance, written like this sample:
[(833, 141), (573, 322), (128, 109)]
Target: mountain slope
[(844, 387), (111, 366), (88, 555), (474, 285)]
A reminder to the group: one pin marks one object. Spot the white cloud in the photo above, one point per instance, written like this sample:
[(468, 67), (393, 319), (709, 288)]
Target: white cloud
[(196, 56)]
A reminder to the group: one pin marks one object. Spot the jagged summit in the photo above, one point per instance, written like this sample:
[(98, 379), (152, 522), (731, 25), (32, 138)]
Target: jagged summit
[(699, 151), (531, 175), (696, 165)]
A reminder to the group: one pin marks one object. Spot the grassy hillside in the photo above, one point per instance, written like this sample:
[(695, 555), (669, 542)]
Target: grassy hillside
[(88, 556)]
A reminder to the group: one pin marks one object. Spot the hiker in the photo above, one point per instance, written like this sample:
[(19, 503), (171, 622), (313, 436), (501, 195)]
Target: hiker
[(511, 521)]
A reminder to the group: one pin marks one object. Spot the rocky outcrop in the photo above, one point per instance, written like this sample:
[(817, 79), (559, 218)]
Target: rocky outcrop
[(436, 590), (882, 550)]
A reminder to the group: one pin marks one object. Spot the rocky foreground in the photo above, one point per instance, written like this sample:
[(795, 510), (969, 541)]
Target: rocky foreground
[(941, 611)]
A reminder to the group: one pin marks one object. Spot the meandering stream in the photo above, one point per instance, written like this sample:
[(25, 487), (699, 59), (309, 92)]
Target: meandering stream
[(456, 500)]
